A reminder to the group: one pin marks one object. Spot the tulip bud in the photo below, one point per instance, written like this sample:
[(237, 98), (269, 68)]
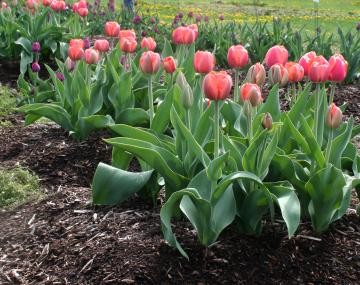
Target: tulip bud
[(217, 85), (60, 76), (204, 62), (87, 43), (149, 62), (252, 93), (267, 121), (334, 116), (36, 47), (237, 56), (35, 67), (69, 64), (338, 67), (256, 74), (169, 64), (187, 97), (276, 55), (278, 74)]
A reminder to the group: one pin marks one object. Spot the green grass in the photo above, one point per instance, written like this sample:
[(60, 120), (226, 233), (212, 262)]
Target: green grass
[(17, 186), (332, 13), (7, 101)]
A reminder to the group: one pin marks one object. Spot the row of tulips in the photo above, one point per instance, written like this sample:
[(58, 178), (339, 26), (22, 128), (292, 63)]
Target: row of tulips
[(220, 161)]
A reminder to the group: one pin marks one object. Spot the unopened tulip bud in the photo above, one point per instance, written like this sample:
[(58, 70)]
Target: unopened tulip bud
[(252, 93), (35, 67), (267, 121), (256, 74), (169, 64), (278, 74), (69, 64), (36, 47), (334, 116), (187, 97), (60, 76)]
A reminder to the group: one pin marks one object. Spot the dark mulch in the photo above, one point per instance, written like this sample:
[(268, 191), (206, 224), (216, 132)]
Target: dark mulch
[(65, 240), (51, 153)]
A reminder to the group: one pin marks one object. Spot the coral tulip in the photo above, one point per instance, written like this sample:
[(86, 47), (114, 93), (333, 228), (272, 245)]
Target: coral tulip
[(148, 43), (112, 29), (319, 70), (305, 61), (92, 56), (149, 62), (338, 67), (184, 35), (334, 116), (204, 62), (237, 56), (128, 44), (169, 64), (276, 55), (251, 92), (295, 71), (217, 85), (101, 45), (127, 34), (75, 53), (278, 74), (46, 3), (77, 43), (256, 74)]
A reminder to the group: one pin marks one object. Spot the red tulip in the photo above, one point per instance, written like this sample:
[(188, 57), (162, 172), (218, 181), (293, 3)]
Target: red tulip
[(319, 70), (295, 71), (101, 45), (148, 43), (127, 34), (256, 74), (276, 55), (77, 43), (338, 67), (278, 74), (150, 62), (169, 64), (184, 35), (334, 116), (251, 92), (112, 29), (83, 12), (46, 3), (58, 6), (92, 56), (75, 7), (128, 44), (237, 56), (306, 60), (75, 53), (204, 62), (217, 85)]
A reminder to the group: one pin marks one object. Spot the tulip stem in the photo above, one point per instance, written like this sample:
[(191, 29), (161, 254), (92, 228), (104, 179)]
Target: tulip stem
[(316, 112), (188, 120), (236, 87), (129, 61), (332, 93), (293, 100), (328, 147), (202, 93), (216, 130), (150, 97)]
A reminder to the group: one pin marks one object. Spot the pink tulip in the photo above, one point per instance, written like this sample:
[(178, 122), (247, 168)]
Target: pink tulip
[(217, 85), (75, 53), (83, 12), (338, 67), (237, 56), (306, 60), (92, 56), (128, 44), (150, 62), (334, 117), (76, 43), (148, 43), (251, 92), (204, 62), (319, 70), (101, 45), (127, 34), (276, 55), (185, 35), (278, 74), (112, 29)]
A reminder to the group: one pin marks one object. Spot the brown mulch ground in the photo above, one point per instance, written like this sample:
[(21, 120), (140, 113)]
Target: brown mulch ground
[(64, 239)]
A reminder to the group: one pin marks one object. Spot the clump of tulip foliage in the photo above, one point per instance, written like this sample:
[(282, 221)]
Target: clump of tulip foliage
[(220, 160)]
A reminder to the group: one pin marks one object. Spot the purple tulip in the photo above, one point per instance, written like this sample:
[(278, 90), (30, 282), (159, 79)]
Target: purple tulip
[(206, 19), (198, 18), (156, 30), (137, 19), (35, 67), (143, 33), (181, 15), (221, 17), (87, 43), (60, 76), (36, 47), (153, 20), (191, 14)]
